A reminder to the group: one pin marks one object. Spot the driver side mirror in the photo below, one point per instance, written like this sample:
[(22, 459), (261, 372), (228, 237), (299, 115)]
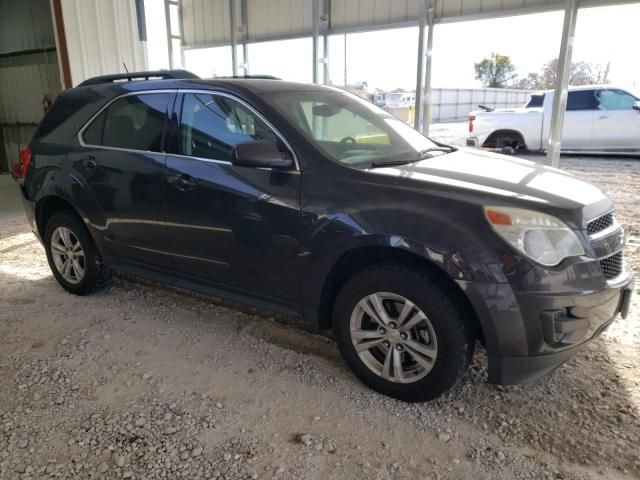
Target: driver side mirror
[(261, 154), (636, 105)]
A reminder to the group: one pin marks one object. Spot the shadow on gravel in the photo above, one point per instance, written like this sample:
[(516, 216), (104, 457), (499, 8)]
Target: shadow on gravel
[(583, 413)]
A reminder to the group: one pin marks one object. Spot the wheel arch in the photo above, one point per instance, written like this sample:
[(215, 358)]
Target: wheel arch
[(354, 260), (517, 136), (49, 205)]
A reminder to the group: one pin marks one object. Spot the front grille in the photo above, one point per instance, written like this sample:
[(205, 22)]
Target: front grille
[(612, 266), (600, 223)]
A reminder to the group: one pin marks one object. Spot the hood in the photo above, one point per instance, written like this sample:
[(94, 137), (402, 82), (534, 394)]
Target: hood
[(501, 176)]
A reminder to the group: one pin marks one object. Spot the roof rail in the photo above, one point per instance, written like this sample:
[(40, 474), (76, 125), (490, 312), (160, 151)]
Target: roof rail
[(136, 76)]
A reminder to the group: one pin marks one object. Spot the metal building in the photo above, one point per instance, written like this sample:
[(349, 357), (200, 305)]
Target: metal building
[(28, 71)]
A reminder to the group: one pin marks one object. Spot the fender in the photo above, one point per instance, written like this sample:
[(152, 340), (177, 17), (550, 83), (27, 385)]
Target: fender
[(464, 263)]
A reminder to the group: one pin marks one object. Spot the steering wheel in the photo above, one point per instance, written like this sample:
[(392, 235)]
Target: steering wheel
[(348, 140)]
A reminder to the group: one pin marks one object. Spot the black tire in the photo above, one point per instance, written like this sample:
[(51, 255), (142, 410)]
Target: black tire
[(96, 275), (436, 299)]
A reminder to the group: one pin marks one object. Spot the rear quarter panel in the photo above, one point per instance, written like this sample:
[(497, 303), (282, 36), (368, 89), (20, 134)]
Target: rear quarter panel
[(51, 175)]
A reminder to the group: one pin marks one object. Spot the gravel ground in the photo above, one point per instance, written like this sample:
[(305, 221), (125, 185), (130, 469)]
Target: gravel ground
[(141, 381)]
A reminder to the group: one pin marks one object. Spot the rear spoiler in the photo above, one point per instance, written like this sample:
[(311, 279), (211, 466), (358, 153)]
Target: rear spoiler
[(137, 76)]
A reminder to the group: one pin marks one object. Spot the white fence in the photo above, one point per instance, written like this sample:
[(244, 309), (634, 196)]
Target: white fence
[(454, 104)]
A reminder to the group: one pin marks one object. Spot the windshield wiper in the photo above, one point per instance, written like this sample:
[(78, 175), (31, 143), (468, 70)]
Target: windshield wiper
[(444, 148), (391, 163), (419, 156)]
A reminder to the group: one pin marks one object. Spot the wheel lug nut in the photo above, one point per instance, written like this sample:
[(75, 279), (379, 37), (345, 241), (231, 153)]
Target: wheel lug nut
[(392, 325), (399, 347), (403, 336), (382, 331), (386, 344)]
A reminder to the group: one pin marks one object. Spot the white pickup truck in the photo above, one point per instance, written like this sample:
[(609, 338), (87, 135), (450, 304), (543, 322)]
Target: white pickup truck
[(598, 119)]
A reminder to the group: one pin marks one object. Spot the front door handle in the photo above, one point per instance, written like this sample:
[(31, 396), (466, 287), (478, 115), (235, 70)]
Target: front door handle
[(89, 163), (182, 182), (602, 117)]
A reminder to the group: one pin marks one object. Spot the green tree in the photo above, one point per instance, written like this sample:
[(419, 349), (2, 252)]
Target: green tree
[(496, 71), (582, 73)]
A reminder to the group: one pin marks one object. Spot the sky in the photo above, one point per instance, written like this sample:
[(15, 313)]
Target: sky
[(387, 59)]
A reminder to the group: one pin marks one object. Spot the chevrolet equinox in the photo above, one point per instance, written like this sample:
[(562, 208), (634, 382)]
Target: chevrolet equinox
[(310, 201)]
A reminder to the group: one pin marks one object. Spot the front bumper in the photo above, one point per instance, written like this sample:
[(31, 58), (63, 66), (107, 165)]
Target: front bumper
[(531, 332), (523, 369)]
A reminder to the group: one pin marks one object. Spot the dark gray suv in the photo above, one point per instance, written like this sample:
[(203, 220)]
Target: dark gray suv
[(312, 202)]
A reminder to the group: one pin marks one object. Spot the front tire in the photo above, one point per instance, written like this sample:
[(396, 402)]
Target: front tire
[(73, 256), (399, 330)]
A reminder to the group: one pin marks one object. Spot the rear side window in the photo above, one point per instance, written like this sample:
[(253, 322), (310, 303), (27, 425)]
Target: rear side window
[(582, 100), (212, 125), (134, 122), (536, 101)]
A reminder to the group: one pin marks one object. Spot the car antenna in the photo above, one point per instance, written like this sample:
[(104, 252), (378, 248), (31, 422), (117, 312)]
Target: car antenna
[(125, 67)]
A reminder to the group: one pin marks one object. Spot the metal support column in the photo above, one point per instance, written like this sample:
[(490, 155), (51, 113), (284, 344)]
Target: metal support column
[(562, 82), (422, 22), (234, 37), (326, 27), (345, 60), (245, 36), (167, 16), (425, 119), (174, 18), (315, 23)]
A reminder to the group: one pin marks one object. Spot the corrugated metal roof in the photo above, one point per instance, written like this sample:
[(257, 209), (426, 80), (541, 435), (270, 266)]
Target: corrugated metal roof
[(361, 13), (206, 22), (25, 25), (101, 35), (278, 18)]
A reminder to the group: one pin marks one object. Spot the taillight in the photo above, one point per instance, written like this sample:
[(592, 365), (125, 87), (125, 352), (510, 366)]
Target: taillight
[(19, 170), (471, 119)]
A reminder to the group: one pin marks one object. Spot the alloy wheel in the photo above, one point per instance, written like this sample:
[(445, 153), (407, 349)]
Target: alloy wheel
[(68, 255), (393, 337)]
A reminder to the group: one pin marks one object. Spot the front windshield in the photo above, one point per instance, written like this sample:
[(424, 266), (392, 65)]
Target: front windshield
[(351, 130)]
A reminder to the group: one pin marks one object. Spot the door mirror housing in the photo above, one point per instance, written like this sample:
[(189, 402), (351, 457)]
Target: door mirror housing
[(636, 105), (261, 154)]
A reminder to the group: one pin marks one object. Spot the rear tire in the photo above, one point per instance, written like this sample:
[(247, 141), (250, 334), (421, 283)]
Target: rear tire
[(412, 364), (73, 256)]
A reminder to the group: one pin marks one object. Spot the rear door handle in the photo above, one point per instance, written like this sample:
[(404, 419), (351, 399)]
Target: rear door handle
[(182, 182), (602, 117)]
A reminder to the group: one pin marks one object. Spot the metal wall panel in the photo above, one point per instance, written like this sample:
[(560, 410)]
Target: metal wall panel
[(24, 80), (25, 25), (206, 22), (454, 104), (101, 35)]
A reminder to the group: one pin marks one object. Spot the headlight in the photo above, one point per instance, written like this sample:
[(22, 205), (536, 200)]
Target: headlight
[(541, 237)]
